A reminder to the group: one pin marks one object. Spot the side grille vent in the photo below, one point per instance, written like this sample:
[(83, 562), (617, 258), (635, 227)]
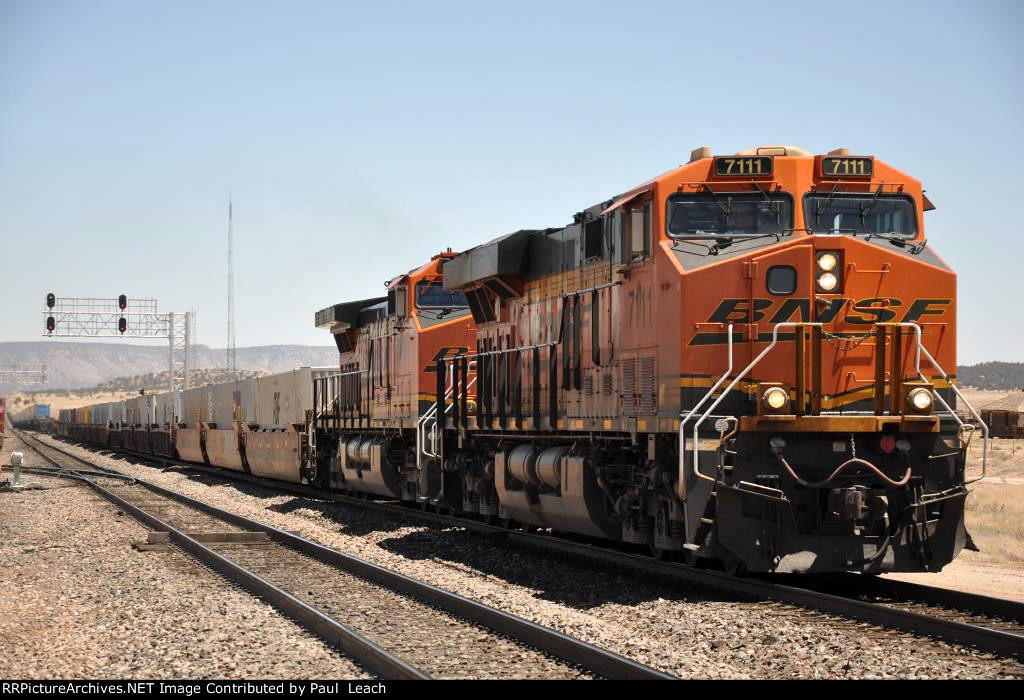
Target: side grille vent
[(647, 390), (628, 367)]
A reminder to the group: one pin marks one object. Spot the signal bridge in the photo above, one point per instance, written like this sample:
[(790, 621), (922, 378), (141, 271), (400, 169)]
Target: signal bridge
[(91, 317), (22, 374)]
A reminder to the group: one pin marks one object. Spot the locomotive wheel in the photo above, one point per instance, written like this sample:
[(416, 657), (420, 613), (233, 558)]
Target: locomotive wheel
[(691, 559), (662, 554), (733, 566)]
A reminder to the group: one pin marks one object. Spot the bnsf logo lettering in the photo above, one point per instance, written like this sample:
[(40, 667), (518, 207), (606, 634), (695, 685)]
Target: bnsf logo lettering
[(445, 354), (863, 312)]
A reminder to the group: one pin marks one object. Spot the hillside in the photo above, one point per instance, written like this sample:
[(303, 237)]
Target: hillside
[(75, 365), (117, 389), (1003, 376)]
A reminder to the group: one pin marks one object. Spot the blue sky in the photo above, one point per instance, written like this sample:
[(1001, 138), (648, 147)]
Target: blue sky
[(359, 139)]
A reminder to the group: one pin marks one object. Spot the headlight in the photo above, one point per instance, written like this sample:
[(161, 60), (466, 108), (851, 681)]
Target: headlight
[(827, 281), (921, 399), (828, 261), (776, 398)]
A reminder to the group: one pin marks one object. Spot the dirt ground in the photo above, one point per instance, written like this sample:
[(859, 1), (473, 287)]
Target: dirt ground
[(969, 573), (995, 521)]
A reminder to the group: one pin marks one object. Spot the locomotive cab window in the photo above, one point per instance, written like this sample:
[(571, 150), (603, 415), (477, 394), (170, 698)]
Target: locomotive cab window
[(593, 240), (398, 301), (729, 214), (781, 280), (861, 213), (433, 295), (638, 231)]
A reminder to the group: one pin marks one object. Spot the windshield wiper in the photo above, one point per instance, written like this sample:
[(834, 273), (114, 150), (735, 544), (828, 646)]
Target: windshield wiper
[(726, 242), (899, 240), (771, 202), (822, 205), (864, 210), (710, 250), (726, 209)]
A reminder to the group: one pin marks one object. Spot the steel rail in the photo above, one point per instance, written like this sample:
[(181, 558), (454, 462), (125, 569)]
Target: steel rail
[(373, 657), (570, 649), (57, 471), (933, 595), (984, 638), (855, 583)]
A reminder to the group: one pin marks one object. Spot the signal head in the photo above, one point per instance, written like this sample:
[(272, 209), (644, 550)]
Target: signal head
[(51, 300), (122, 325), (51, 324), (122, 302)]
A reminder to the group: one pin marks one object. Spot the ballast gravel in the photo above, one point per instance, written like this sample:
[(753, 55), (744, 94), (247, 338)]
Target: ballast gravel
[(683, 630), (77, 601)]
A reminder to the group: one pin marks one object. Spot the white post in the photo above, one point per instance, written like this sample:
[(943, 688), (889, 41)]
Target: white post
[(16, 459), (170, 355), (188, 345)]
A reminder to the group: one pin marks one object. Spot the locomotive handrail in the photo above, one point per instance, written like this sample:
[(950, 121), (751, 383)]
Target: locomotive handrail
[(431, 412), (919, 350), (951, 385), (746, 370), (680, 483)]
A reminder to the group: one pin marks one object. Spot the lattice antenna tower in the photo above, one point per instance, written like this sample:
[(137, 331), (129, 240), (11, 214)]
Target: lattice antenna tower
[(232, 366), (195, 337)]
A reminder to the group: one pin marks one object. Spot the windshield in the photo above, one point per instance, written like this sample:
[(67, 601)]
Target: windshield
[(433, 295), (728, 214), (860, 214)]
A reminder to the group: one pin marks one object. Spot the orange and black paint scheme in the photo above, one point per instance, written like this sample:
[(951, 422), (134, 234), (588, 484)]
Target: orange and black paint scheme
[(738, 362), (389, 350)]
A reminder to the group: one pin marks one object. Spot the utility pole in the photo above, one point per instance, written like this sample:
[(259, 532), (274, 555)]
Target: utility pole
[(89, 317), (231, 294)]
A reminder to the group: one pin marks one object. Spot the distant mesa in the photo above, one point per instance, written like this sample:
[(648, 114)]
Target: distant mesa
[(90, 365)]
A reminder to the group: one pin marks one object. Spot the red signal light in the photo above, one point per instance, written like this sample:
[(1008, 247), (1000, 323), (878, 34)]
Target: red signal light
[(122, 303), (122, 324), (51, 324)]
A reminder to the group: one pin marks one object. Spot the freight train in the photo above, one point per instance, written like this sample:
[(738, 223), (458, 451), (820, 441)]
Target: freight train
[(33, 416), (257, 425), (738, 363)]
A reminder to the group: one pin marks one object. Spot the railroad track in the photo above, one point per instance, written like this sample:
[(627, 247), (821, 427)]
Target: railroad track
[(395, 626), (992, 625)]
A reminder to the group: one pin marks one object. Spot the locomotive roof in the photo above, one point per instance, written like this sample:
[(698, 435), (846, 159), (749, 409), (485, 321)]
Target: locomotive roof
[(1011, 402), (352, 313)]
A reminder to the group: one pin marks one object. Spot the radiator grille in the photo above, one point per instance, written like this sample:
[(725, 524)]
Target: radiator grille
[(647, 389), (628, 384)]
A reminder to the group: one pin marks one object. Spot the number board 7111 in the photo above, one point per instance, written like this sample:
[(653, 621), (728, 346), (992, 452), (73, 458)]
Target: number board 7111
[(743, 166), (847, 167)]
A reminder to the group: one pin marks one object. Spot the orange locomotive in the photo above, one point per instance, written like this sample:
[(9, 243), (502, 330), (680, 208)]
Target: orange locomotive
[(369, 419), (740, 361)]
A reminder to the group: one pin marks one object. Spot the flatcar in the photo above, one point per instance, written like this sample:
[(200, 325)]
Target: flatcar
[(257, 426)]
